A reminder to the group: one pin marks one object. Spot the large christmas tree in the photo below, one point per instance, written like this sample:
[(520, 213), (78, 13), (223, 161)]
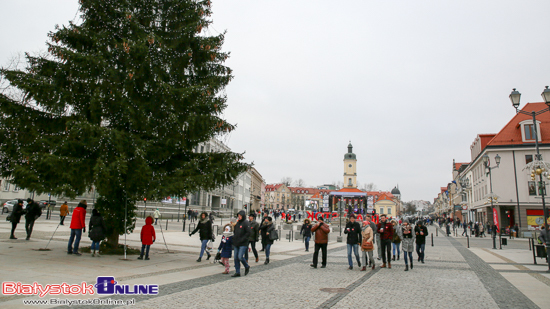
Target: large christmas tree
[(118, 104)]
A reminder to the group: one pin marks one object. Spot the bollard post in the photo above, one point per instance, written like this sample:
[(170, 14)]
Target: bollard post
[(533, 245), (500, 240), (166, 225), (529, 244), (432, 239), (436, 232), (468, 241)]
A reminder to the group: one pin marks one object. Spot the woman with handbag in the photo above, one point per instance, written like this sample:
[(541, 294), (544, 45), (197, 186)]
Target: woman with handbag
[(408, 243), (367, 245), (269, 229), (397, 237)]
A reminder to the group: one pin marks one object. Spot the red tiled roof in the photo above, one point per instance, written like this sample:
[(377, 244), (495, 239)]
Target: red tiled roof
[(458, 165), (300, 189), (511, 133), (350, 190), (273, 187)]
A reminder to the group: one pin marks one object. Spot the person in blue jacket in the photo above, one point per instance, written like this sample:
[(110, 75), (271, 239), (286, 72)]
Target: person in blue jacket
[(226, 246)]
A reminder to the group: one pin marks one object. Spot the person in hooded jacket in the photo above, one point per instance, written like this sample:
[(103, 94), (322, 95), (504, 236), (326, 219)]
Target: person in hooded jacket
[(254, 236), (148, 237), (97, 231), (226, 246), (33, 212), (306, 232), (268, 228), (78, 226), (368, 234), (16, 217), (262, 231), (241, 233), (205, 231)]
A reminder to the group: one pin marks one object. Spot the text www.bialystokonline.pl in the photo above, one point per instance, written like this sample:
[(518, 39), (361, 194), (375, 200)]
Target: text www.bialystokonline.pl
[(80, 302)]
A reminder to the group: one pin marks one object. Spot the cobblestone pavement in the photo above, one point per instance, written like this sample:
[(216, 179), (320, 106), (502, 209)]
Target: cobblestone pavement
[(452, 277)]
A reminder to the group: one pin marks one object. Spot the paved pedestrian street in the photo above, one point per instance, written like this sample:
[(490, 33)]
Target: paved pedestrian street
[(452, 277)]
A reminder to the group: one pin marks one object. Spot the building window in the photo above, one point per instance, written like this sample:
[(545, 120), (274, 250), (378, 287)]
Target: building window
[(349, 182), (381, 210), (532, 188), (529, 131), (389, 210), (528, 159)]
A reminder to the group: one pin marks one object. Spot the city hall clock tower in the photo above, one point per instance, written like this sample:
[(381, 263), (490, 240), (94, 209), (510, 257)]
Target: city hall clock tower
[(350, 168)]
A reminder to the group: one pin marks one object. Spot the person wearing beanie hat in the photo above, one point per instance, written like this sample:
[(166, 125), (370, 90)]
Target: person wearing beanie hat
[(15, 217), (254, 236), (306, 230), (368, 235), (321, 231), (33, 212)]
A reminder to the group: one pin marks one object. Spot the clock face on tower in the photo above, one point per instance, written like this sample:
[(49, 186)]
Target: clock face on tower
[(349, 165)]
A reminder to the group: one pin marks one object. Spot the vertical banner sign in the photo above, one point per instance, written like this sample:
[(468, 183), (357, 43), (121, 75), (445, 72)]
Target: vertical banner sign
[(495, 218)]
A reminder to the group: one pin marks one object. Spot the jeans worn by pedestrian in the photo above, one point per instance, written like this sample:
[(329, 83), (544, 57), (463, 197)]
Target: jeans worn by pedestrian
[(306, 240), (239, 258), (267, 250), (364, 257), (145, 248), (420, 251), (395, 247), (95, 245), (203, 247), (355, 248), (76, 234), (29, 225), (410, 255)]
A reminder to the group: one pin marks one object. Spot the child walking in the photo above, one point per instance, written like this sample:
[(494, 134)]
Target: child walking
[(226, 246), (148, 237)]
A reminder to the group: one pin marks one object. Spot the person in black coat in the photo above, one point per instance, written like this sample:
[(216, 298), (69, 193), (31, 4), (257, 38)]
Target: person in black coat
[(262, 231), (97, 231), (241, 233), (16, 217), (33, 212), (268, 228), (205, 231), (305, 231), (353, 230), (421, 232)]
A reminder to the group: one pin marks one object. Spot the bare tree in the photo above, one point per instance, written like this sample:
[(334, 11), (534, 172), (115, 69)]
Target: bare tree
[(368, 187), (299, 183), (409, 208), (287, 181)]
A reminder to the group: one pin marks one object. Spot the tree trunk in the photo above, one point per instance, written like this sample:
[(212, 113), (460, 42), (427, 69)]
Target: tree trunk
[(112, 239)]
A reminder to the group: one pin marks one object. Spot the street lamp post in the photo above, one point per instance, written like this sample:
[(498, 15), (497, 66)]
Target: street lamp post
[(537, 166), (488, 168)]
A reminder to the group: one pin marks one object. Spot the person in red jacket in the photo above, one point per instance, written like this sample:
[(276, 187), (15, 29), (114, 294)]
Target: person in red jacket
[(385, 229), (78, 226), (148, 237)]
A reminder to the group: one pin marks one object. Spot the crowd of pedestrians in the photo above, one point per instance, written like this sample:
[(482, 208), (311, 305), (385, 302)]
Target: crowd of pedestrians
[(240, 236)]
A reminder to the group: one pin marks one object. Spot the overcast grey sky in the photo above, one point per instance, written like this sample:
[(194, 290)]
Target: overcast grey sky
[(410, 83)]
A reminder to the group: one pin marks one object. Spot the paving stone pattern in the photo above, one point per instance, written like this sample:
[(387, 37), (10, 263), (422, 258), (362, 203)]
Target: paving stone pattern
[(452, 277)]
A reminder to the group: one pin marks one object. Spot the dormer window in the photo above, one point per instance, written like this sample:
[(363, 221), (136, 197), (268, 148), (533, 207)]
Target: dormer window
[(528, 131)]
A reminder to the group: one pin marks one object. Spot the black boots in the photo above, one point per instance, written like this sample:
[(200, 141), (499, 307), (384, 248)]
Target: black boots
[(208, 258), (199, 259), (398, 257), (406, 267), (266, 261), (393, 258), (411, 264)]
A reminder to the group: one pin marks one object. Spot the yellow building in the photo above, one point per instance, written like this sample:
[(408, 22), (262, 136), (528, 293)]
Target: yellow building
[(386, 205), (350, 168)]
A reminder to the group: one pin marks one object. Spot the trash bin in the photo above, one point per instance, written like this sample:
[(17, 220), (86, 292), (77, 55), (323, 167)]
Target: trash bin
[(504, 241), (540, 251)]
